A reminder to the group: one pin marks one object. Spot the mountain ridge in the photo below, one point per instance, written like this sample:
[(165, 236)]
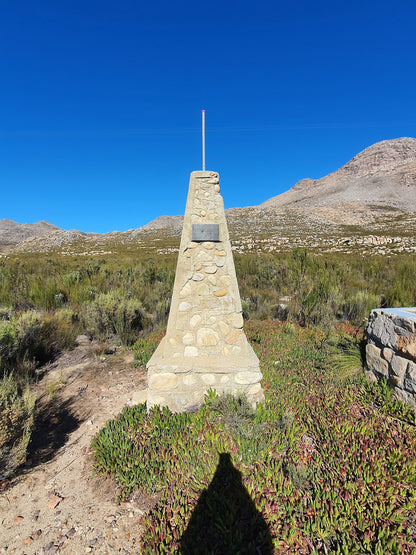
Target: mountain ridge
[(373, 190), (385, 172)]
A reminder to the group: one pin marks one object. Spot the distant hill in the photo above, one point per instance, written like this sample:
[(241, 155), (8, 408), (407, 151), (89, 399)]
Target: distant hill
[(369, 201), (380, 178), (12, 233), (383, 175)]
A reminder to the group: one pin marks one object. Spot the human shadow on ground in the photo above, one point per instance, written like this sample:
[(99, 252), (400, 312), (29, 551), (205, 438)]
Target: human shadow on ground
[(55, 420), (225, 520)]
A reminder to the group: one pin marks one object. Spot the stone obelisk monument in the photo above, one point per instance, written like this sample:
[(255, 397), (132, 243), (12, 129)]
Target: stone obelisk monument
[(205, 346)]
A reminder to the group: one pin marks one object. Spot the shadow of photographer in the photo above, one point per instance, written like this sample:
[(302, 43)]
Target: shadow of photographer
[(225, 520)]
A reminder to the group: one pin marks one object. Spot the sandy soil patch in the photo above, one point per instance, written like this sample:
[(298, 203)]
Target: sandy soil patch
[(57, 504)]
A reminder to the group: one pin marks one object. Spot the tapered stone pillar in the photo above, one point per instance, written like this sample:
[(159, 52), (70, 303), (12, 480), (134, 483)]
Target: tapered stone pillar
[(205, 346)]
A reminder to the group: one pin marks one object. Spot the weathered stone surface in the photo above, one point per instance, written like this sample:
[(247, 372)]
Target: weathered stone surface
[(410, 378), (206, 336), (406, 344), (411, 370), (233, 337), (405, 396), (254, 389), (164, 382), (220, 292), (172, 341), (237, 321), (189, 379), (208, 379), (210, 269), (382, 329), (184, 306), (223, 327), (156, 400), (139, 397), (398, 365), (191, 351), (186, 290), (225, 280), (204, 257), (188, 338), (404, 326), (374, 360), (247, 377), (387, 353), (198, 277), (194, 321), (395, 381), (203, 289)]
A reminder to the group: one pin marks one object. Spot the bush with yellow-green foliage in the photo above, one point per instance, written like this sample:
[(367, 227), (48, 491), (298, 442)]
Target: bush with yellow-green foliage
[(32, 338), (16, 423), (110, 314), (300, 286)]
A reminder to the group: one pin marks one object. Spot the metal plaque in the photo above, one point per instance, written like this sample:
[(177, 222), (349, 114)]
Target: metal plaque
[(205, 232)]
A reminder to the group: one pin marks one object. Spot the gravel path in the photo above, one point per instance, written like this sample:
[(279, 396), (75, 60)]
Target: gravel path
[(57, 504)]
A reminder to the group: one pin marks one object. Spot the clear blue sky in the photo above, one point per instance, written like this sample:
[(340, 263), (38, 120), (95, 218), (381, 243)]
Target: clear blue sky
[(100, 102)]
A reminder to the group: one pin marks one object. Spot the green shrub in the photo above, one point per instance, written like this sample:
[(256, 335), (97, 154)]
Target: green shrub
[(321, 290), (360, 303), (33, 338), (8, 342), (110, 314), (346, 362), (5, 313), (16, 423)]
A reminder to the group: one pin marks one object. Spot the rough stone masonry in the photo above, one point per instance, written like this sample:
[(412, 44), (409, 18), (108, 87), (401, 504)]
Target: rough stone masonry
[(205, 346), (391, 349)]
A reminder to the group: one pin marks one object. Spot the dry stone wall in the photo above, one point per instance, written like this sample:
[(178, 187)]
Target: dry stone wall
[(391, 350), (205, 345)]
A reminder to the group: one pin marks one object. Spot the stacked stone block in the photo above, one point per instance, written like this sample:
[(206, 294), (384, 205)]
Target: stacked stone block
[(391, 350), (205, 345)]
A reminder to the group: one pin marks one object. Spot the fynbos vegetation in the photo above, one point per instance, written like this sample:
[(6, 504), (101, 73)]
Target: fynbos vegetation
[(323, 461), (328, 462)]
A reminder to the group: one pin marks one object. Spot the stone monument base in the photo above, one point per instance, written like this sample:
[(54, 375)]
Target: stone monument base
[(183, 385)]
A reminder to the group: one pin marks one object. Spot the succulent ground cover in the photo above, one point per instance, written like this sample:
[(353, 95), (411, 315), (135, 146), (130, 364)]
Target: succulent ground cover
[(326, 465)]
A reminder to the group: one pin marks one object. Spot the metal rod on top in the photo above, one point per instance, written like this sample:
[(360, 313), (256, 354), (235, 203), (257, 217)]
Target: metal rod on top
[(203, 140)]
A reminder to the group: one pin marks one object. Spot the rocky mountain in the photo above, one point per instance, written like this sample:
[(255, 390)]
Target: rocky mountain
[(12, 233), (383, 175), (369, 202), (162, 222)]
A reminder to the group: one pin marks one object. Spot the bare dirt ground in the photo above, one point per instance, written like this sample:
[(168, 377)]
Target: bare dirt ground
[(57, 504)]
